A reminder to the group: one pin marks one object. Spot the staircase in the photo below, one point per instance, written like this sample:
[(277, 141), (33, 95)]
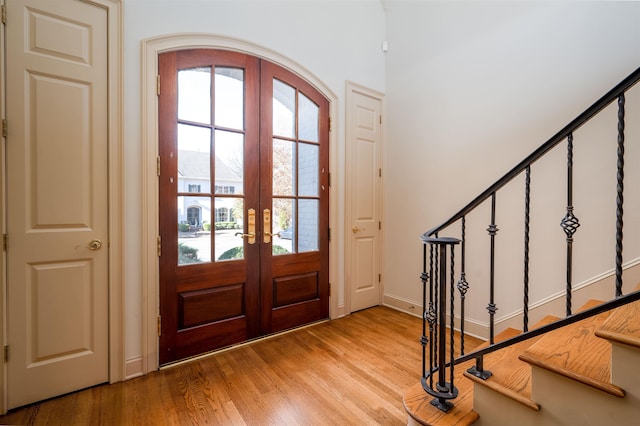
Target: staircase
[(579, 369), (586, 373)]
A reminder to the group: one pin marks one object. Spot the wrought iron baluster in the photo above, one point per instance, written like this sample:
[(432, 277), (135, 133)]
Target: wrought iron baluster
[(451, 314), (492, 229), (570, 223), (620, 195), (431, 317), (527, 199), (436, 289), (424, 277), (463, 285)]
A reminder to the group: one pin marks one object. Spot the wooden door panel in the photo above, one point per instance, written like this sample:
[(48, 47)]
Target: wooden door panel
[(295, 289), (57, 284), (210, 305), (208, 337)]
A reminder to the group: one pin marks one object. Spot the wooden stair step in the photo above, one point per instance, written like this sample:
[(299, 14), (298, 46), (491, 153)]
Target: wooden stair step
[(511, 377), (623, 325), (417, 403), (577, 353)]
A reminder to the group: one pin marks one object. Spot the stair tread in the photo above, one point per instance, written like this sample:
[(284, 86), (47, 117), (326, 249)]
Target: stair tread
[(511, 376), (417, 403), (575, 352), (623, 325)]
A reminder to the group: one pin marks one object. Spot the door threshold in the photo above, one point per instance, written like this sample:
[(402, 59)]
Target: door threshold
[(239, 345)]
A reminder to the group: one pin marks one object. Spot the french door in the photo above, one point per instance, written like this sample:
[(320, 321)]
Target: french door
[(243, 189)]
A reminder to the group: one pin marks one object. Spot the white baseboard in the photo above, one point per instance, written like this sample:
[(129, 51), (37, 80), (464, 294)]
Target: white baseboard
[(133, 368), (403, 305), (599, 287)]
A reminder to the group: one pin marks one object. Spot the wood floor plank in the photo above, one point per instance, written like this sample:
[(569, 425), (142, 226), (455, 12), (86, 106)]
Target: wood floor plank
[(353, 370)]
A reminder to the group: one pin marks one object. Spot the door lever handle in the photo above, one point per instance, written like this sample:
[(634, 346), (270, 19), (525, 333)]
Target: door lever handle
[(355, 229), (266, 225), (245, 235), (251, 221)]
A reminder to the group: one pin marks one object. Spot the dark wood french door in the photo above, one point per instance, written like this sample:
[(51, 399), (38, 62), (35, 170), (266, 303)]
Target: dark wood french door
[(243, 190)]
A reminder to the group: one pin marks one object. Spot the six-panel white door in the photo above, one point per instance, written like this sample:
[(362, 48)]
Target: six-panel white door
[(57, 217), (364, 195)]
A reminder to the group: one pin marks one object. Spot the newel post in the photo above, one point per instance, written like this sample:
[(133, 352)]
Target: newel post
[(435, 380)]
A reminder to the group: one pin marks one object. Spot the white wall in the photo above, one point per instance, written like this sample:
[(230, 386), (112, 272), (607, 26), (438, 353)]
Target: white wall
[(474, 87), (335, 41), (471, 88)]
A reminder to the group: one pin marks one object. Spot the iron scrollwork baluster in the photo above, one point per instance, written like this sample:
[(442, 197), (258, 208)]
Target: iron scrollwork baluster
[(570, 223), (463, 286)]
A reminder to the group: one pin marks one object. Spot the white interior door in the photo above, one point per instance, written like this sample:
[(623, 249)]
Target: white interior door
[(364, 195), (57, 221)]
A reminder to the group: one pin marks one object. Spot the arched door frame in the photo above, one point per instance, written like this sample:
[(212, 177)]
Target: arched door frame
[(151, 49)]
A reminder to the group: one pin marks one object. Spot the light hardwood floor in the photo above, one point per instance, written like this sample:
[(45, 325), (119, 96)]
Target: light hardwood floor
[(350, 371)]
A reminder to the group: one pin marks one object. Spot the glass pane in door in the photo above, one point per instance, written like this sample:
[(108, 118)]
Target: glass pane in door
[(284, 167), (283, 222), (308, 225), (229, 148), (194, 95), (229, 98), (308, 164), (229, 225), (194, 237), (284, 108), (307, 119), (194, 158)]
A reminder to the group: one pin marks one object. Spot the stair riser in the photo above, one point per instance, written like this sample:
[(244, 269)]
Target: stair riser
[(624, 370), (566, 402), (499, 410)]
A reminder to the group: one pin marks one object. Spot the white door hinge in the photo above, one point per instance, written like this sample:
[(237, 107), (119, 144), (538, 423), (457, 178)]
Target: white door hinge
[(158, 165), (159, 245), (158, 85)]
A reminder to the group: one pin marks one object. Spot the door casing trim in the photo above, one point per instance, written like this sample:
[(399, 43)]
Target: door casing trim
[(151, 48)]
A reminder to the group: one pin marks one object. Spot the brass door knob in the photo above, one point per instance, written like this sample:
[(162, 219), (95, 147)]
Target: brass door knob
[(95, 245)]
